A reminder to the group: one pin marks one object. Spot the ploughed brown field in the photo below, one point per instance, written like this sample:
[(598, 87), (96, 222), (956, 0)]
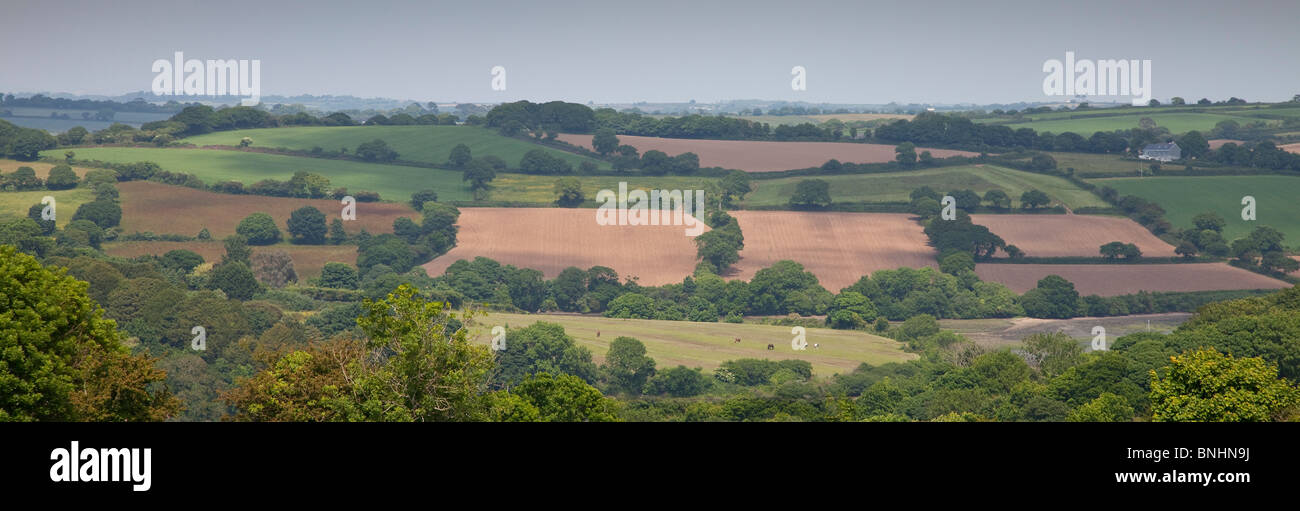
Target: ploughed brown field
[(1071, 235), (759, 156), (1294, 148), (1120, 279), (552, 239), (1218, 142), (307, 259), (839, 248), (167, 209)]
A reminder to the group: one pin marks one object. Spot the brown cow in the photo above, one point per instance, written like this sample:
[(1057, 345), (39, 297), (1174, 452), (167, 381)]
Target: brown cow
[(771, 347), (737, 340)]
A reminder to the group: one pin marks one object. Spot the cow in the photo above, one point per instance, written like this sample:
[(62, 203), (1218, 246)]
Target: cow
[(598, 334), (771, 347), (736, 340), (817, 346)]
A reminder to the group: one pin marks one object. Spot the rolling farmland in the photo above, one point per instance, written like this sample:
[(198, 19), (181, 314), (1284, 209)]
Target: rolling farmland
[(759, 156), (897, 186), (428, 144), (552, 239), (160, 208), (1120, 279), (708, 345), (1185, 197), (1071, 235), (839, 248)]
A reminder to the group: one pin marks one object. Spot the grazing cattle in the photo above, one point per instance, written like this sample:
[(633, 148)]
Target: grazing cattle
[(598, 334), (817, 346), (737, 340), (771, 347)]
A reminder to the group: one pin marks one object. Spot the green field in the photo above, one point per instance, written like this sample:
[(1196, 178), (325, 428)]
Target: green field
[(1175, 122), (1108, 164), (1185, 197), (707, 345), (896, 186), (65, 202), (429, 144), (393, 182)]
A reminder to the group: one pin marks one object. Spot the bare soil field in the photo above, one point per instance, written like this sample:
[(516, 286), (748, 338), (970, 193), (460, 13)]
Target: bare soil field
[(552, 239), (1120, 279), (1294, 148), (839, 248), (1218, 142), (1071, 235), (760, 156), (167, 209), (307, 259)]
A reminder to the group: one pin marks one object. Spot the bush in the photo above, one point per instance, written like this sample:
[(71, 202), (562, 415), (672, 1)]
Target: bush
[(259, 228)]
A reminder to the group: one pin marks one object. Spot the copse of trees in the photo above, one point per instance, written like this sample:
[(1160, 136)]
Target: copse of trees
[(306, 225)]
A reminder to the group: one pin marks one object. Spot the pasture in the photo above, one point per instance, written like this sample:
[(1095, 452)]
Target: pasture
[(427, 144), (393, 182), (65, 202), (897, 186), (708, 345), (1185, 197), (760, 156), (1177, 123)]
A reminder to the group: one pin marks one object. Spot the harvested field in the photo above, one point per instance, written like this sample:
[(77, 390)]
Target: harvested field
[(1120, 279), (42, 169), (307, 259), (1293, 148), (552, 239), (167, 209), (1071, 235), (1218, 142), (763, 156), (839, 248)]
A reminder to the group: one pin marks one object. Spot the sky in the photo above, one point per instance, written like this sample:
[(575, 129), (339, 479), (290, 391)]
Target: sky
[(611, 51)]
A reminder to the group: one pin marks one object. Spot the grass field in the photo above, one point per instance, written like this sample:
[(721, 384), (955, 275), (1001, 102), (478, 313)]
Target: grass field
[(1186, 197), (65, 202), (393, 182), (708, 345), (896, 186), (307, 259), (429, 144), (1107, 164), (1176, 122), (789, 120)]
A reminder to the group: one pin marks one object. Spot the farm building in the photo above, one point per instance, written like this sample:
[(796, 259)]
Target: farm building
[(1161, 152)]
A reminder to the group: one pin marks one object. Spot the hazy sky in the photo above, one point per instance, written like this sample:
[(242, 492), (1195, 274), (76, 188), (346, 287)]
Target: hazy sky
[(855, 51)]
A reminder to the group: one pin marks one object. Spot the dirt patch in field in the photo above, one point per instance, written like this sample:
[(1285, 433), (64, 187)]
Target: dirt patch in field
[(1293, 148), (839, 248), (1120, 279), (1218, 142), (167, 209), (307, 259), (755, 156), (552, 239), (42, 169), (1071, 235)]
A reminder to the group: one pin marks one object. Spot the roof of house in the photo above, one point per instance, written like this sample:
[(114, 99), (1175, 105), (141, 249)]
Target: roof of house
[(1160, 147)]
